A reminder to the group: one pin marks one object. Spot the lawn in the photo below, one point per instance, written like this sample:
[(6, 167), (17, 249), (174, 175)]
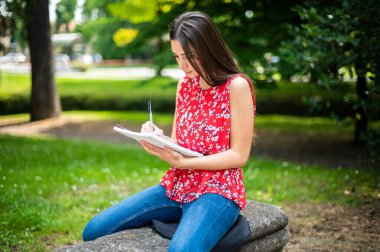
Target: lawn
[(267, 122), (15, 84), (49, 188), (106, 94)]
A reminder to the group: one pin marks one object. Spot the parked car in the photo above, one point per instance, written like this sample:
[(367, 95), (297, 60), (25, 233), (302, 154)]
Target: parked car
[(13, 58), (61, 59), (82, 58)]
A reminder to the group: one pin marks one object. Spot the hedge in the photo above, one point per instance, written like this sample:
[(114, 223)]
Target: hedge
[(20, 104)]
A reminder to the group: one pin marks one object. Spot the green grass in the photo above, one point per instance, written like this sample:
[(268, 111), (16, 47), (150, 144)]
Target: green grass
[(16, 84), (50, 188), (13, 84), (313, 125), (266, 122)]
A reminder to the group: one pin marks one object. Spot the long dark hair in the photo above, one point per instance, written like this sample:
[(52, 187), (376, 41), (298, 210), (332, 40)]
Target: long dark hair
[(196, 31)]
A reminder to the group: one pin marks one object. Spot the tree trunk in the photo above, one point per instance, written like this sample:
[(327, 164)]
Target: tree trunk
[(45, 102), (361, 116)]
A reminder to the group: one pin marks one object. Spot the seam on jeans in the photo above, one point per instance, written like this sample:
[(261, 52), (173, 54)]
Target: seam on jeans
[(220, 212), (139, 214)]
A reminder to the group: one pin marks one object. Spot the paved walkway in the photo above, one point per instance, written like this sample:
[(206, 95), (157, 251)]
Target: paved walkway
[(309, 149)]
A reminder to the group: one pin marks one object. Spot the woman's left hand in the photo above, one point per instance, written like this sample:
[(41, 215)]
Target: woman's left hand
[(166, 154)]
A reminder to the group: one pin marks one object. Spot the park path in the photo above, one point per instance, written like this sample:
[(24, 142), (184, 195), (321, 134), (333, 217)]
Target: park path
[(311, 149)]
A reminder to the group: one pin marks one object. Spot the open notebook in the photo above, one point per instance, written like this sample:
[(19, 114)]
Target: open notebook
[(156, 140)]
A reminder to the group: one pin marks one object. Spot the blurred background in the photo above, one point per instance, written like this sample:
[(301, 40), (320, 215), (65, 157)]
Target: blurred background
[(328, 50), (71, 69)]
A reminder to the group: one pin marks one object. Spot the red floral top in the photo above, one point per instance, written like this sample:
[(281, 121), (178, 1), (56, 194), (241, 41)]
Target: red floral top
[(203, 124)]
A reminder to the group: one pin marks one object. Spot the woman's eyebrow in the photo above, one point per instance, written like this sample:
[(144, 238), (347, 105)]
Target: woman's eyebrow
[(176, 54)]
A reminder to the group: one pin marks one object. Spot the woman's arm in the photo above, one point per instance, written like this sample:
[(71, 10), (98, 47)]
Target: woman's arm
[(148, 127), (242, 124)]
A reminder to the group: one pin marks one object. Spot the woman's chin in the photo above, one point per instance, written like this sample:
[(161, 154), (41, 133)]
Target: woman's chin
[(192, 74)]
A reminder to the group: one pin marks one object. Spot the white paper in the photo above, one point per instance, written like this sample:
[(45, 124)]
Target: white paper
[(156, 140)]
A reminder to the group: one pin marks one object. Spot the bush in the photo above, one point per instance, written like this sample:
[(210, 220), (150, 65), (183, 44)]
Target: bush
[(284, 98), (115, 103), (14, 104)]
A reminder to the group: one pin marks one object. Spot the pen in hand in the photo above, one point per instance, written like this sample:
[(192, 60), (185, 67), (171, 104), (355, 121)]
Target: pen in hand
[(150, 112), (153, 128)]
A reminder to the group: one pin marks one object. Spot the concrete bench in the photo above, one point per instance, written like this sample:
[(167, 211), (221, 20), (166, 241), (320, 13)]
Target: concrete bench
[(267, 223)]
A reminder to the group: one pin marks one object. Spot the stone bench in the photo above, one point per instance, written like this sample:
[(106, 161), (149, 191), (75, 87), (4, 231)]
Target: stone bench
[(267, 223)]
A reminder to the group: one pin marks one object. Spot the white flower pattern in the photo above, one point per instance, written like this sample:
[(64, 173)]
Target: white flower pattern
[(203, 124)]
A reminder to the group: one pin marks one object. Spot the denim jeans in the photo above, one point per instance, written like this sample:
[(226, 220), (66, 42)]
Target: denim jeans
[(203, 222)]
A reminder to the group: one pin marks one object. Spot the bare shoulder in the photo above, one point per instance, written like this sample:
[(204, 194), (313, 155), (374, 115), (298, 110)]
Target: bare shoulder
[(181, 80), (180, 83), (239, 85)]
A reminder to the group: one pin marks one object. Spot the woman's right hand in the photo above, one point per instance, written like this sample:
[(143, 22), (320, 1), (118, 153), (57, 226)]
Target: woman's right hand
[(149, 127)]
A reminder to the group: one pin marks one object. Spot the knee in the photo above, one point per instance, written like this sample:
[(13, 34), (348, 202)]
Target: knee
[(176, 246), (88, 232), (93, 230)]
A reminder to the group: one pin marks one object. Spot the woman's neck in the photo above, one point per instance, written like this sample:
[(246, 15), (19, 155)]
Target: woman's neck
[(203, 84)]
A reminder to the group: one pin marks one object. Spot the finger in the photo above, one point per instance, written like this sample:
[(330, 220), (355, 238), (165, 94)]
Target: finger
[(168, 150), (158, 132), (145, 147), (174, 154), (148, 145), (151, 148), (143, 128), (147, 128)]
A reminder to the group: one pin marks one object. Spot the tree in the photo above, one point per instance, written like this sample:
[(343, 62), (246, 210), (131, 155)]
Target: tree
[(335, 40), (98, 28), (95, 9), (34, 16), (45, 101), (147, 18), (256, 26), (65, 11)]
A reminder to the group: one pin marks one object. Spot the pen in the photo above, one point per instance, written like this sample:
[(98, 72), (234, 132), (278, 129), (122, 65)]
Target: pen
[(150, 112)]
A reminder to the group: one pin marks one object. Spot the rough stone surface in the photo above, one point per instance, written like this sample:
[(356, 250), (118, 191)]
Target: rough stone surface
[(134, 240), (269, 243), (264, 219), (267, 223)]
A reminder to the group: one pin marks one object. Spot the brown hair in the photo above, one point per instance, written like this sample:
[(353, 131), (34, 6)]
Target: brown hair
[(196, 31)]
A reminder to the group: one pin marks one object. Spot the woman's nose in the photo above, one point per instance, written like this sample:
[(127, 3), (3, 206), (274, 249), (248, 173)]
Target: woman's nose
[(182, 63)]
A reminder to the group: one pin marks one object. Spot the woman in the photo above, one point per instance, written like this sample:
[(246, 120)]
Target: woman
[(215, 110)]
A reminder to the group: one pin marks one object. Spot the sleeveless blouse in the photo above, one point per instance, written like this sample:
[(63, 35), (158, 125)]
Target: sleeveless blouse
[(203, 124)]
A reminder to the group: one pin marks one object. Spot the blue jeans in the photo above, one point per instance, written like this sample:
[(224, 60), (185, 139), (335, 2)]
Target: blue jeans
[(203, 222)]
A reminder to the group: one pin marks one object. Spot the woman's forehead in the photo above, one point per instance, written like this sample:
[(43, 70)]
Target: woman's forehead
[(177, 48)]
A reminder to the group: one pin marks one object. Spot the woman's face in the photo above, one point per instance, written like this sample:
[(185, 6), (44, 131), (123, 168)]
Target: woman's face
[(182, 60)]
